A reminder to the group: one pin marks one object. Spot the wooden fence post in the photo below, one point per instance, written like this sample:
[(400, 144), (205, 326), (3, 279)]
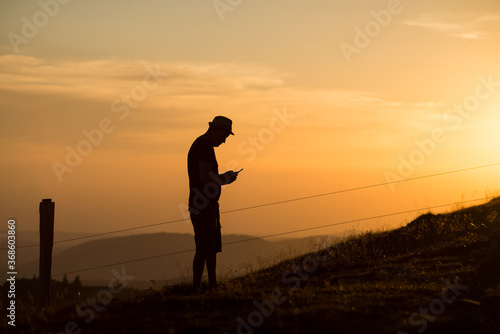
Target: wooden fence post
[(47, 208)]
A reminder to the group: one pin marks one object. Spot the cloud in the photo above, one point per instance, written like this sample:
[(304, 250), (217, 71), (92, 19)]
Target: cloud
[(52, 102), (478, 26), (76, 94)]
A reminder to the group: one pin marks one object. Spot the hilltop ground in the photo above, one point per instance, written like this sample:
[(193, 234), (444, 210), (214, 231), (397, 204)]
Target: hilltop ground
[(438, 274)]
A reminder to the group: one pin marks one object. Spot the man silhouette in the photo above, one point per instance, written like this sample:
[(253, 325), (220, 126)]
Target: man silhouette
[(205, 188)]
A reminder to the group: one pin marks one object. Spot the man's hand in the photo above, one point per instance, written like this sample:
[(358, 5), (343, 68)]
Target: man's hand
[(230, 176)]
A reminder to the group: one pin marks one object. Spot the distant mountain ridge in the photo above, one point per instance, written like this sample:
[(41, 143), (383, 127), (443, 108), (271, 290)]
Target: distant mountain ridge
[(237, 257)]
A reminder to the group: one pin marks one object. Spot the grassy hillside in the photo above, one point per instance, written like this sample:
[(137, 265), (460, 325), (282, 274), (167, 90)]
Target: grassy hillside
[(438, 274)]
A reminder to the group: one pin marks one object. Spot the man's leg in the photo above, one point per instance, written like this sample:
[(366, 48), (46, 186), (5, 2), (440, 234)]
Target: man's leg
[(198, 266), (211, 264)]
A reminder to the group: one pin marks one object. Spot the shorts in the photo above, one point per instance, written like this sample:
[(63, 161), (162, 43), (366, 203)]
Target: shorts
[(207, 230)]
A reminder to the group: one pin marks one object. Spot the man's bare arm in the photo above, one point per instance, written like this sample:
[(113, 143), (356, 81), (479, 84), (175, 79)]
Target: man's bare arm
[(206, 176)]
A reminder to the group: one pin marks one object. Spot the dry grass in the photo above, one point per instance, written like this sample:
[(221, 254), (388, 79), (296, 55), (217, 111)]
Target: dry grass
[(369, 283)]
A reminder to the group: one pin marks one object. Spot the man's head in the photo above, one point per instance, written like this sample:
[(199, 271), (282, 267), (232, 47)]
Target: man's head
[(220, 128)]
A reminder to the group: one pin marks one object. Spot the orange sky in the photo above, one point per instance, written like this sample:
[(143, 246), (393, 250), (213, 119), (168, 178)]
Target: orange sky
[(145, 78)]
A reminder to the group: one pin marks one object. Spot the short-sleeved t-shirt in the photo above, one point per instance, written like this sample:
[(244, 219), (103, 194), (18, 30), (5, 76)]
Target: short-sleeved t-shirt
[(200, 195)]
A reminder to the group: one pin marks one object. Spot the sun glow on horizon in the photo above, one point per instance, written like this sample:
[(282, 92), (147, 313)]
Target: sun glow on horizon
[(121, 113)]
